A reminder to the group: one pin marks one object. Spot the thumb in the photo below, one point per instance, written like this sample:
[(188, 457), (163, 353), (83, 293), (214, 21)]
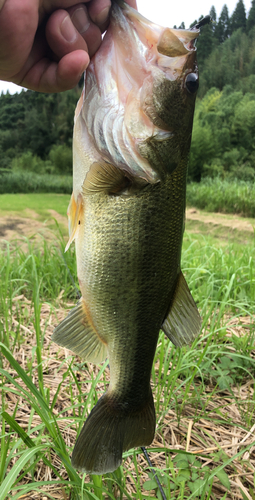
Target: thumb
[(18, 25)]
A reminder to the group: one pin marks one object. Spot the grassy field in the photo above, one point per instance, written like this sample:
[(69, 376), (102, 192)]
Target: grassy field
[(219, 195), (31, 182), (212, 195), (204, 446), (21, 204)]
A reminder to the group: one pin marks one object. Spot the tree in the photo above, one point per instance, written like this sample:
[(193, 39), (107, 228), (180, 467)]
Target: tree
[(238, 18), (181, 27), (194, 23), (205, 43), (214, 18), (32, 121), (251, 17), (222, 31)]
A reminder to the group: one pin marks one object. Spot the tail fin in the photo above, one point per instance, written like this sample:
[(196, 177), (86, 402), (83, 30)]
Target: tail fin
[(109, 430)]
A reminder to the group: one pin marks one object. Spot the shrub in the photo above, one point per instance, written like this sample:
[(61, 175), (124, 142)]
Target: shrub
[(31, 163), (61, 158), (218, 195), (29, 182)]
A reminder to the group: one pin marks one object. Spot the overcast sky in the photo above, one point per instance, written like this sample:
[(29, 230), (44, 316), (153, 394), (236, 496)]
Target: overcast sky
[(168, 13)]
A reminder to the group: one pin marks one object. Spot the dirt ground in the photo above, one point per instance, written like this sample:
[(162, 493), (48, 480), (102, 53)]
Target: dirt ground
[(217, 219), (14, 226), (220, 435)]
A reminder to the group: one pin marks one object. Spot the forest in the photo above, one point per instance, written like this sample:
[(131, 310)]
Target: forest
[(36, 128)]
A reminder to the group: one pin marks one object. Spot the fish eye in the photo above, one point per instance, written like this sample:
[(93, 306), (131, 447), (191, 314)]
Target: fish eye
[(191, 83)]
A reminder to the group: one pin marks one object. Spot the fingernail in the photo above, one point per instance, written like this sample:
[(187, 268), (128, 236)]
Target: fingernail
[(102, 16), (80, 20), (68, 30)]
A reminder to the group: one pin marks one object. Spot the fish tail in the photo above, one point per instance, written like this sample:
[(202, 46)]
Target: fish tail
[(111, 429)]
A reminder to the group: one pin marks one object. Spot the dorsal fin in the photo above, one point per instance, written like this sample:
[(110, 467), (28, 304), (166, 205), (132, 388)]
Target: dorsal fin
[(105, 177)]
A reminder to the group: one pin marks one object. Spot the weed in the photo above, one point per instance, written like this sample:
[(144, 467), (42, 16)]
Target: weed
[(30, 182), (204, 394), (217, 195)]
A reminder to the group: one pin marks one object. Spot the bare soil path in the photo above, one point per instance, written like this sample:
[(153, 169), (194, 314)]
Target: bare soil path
[(31, 226), (217, 219), (14, 227)]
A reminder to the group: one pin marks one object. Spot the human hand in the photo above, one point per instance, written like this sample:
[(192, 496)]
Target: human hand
[(45, 45)]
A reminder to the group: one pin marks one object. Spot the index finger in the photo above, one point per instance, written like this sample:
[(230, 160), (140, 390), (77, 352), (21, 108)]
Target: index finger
[(99, 11), (46, 7)]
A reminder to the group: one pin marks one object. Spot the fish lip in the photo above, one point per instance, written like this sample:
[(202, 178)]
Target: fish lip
[(187, 37), (162, 46), (176, 43), (191, 46)]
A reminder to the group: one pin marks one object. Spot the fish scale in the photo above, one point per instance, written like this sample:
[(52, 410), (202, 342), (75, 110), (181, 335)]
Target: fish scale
[(132, 137)]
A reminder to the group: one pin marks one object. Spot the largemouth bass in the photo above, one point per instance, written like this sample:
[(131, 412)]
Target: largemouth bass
[(132, 136)]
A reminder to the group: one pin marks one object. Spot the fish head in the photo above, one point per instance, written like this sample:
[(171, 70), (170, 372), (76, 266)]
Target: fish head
[(167, 64), (137, 106), (170, 104), (163, 63)]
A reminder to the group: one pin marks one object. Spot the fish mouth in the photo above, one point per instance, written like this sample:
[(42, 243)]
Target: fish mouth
[(174, 44), (172, 50), (174, 41)]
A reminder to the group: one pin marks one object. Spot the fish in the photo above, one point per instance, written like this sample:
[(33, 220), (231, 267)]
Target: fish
[(131, 141)]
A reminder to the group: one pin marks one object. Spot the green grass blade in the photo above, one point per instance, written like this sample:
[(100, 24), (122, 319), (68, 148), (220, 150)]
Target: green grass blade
[(27, 380), (26, 439), (43, 411), (14, 472), (98, 483)]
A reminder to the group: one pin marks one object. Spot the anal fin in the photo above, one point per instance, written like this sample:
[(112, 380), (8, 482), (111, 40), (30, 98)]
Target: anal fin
[(183, 322), (76, 333)]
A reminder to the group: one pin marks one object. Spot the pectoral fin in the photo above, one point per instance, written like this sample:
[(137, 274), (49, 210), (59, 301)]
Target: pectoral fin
[(183, 321), (77, 333), (104, 178), (74, 212)]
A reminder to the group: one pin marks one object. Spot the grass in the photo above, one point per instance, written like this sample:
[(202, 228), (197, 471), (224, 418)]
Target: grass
[(219, 234), (30, 182), (38, 202), (204, 394), (217, 195), (212, 195)]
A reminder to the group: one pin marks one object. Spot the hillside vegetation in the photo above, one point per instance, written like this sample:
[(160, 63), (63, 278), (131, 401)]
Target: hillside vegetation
[(223, 136), (36, 129)]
